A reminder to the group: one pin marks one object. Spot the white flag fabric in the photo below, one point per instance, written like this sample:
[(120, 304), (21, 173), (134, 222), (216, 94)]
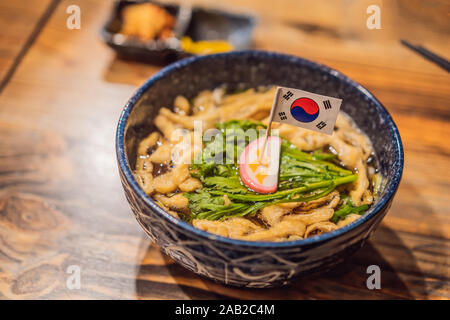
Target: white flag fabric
[(305, 109)]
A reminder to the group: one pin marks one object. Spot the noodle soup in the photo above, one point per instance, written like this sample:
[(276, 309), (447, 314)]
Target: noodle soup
[(190, 168)]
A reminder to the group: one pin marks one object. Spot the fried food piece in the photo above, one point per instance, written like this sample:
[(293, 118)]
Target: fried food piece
[(274, 214), (286, 229), (147, 22), (314, 216), (190, 184), (236, 228), (182, 106), (177, 202), (319, 228), (348, 219), (169, 181)]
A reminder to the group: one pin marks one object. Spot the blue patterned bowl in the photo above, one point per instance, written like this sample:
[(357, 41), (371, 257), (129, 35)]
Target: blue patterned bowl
[(237, 262)]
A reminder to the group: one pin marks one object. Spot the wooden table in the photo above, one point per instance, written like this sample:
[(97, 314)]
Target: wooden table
[(61, 203)]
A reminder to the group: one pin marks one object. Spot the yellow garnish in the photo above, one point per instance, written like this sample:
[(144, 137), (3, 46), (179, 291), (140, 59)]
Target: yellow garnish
[(260, 177), (205, 47), (254, 166)]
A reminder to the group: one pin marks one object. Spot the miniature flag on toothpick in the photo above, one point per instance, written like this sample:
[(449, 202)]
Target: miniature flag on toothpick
[(305, 109), (259, 164)]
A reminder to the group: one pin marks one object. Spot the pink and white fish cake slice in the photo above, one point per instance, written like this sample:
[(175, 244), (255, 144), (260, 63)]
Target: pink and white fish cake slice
[(260, 174)]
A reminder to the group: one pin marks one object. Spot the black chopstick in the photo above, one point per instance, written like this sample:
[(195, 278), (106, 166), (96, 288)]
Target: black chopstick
[(427, 54)]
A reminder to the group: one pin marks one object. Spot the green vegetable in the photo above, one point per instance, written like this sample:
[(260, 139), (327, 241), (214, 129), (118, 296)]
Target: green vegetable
[(239, 124), (347, 207), (291, 192), (303, 176), (230, 184)]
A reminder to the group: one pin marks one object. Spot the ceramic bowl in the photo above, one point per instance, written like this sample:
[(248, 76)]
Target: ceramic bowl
[(245, 263)]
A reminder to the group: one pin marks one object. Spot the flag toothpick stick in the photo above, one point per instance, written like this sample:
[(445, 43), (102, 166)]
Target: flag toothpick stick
[(269, 126)]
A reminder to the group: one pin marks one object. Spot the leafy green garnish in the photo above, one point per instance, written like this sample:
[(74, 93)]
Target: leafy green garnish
[(239, 124), (303, 176), (229, 140), (347, 207), (230, 184)]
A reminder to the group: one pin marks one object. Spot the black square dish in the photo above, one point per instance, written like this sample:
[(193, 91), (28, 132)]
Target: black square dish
[(204, 24)]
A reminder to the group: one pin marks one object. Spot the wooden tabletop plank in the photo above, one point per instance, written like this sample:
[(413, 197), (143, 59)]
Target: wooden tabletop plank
[(20, 22), (61, 202)]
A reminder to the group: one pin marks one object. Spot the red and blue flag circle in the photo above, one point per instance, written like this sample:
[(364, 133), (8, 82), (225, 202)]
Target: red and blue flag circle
[(304, 110)]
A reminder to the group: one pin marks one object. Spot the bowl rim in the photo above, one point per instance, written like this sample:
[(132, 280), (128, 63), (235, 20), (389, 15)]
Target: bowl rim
[(392, 185)]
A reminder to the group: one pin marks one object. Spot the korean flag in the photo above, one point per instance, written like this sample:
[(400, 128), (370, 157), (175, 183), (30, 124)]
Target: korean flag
[(305, 109)]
